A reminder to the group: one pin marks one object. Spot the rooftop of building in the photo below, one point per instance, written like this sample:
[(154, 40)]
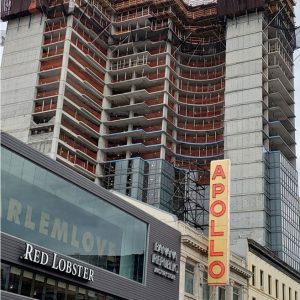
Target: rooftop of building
[(271, 258)]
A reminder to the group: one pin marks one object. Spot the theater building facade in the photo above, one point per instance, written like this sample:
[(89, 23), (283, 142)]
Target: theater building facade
[(63, 237)]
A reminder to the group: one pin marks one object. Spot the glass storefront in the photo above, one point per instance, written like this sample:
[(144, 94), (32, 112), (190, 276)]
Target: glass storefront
[(39, 286), (49, 211)]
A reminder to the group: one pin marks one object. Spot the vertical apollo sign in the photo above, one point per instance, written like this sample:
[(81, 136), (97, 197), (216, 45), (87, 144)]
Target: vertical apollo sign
[(218, 249)]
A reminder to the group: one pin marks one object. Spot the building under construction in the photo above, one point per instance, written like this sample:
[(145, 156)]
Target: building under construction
[(133, 95)]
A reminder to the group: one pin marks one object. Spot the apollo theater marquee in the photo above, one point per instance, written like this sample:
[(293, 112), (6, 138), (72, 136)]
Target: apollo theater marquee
[(219, 228)]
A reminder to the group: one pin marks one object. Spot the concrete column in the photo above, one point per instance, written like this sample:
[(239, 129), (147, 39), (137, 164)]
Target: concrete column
[(130, 126), (244, 129), (176, 96), (201, 269), (164, 142), (182, 277), (104, 117), (244, 293), (166, 99), (229, 290), (19, 74), (170, 34), (61, 90), (103, 129), (167, 70)]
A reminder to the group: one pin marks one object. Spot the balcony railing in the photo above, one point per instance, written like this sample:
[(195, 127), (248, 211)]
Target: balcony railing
[(125, 16), (201, 88), (49, 79), (44, 107), (55, 25), (85, 77), (44, 94), (75, 114), (81, 104), (200, 139), (200, 114), (95, 5), (73, 158), (202, 101), (82, 18), (54, 38), (129, 51), (180, 8), (153, 115), (143, 60), (87, 37), (84, 91), (88, 51), (203, 126), (154, 101), (51, 64), (86, 64), (129, 76), (155, 88), (48, 52), (71, 142), (203, 63), (200, 152), (202, 76), (79, 132)]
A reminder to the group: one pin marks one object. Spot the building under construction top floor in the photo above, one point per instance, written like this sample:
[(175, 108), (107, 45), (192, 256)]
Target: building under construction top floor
[(133, 95)]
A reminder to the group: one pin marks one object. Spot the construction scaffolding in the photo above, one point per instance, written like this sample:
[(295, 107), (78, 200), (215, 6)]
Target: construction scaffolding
[(191, 199)]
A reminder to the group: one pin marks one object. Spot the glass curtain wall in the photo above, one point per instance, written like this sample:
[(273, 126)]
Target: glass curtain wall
[(54, 213)]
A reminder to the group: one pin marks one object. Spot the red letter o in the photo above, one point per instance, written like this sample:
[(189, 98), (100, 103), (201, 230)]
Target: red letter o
[(221, 212), (211, 271)]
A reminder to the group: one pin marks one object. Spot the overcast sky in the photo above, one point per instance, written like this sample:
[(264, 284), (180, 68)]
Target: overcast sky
[(297, 85)]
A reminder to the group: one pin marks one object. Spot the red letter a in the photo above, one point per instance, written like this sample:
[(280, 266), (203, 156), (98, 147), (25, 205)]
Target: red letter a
[(218, 172)]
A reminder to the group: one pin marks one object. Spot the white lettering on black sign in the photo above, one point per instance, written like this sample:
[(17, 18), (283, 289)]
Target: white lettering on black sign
[(58, 263), (165, 260)]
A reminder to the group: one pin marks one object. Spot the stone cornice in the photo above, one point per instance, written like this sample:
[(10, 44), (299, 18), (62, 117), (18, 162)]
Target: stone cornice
[(194, 243), (239, 269)]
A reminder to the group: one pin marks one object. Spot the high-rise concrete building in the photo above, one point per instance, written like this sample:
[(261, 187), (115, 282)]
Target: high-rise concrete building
[(140, 96)]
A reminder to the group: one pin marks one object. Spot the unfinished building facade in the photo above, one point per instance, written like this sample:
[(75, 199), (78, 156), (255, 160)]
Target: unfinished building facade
[(132, 94)]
